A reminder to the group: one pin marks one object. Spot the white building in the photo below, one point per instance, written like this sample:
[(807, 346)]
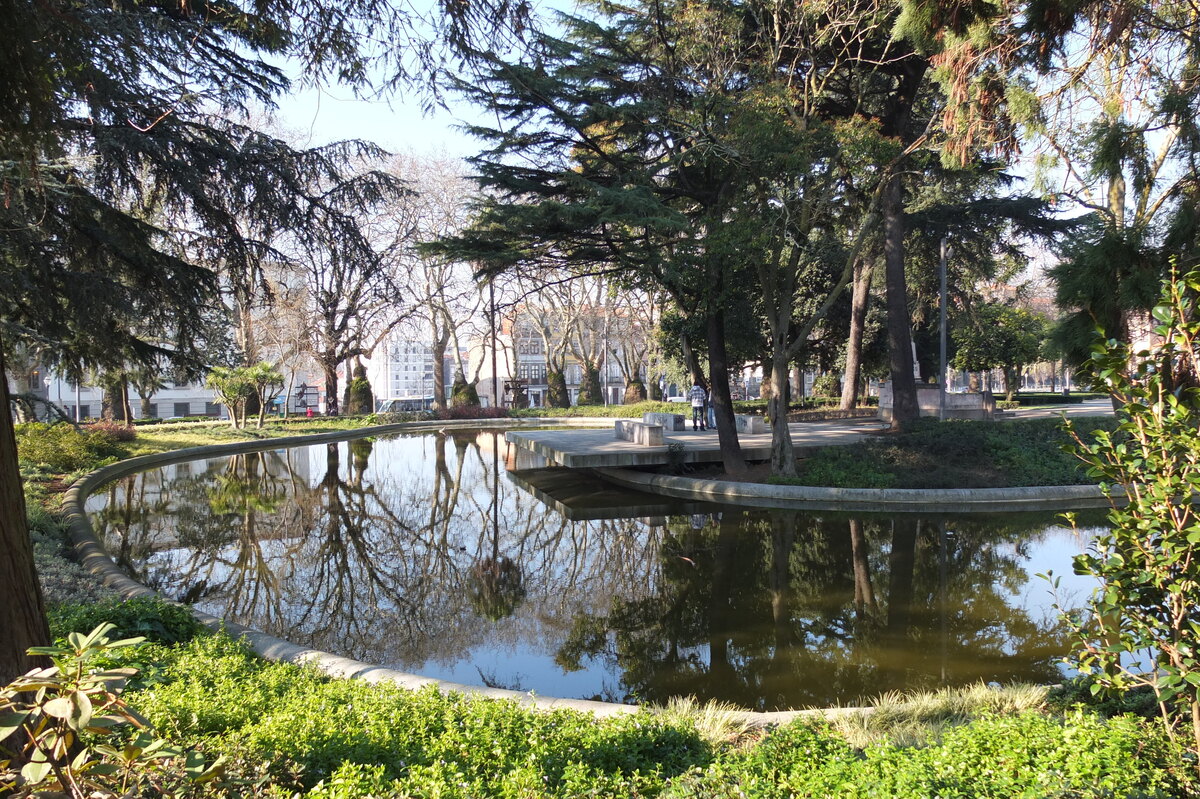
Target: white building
[(402, 369)]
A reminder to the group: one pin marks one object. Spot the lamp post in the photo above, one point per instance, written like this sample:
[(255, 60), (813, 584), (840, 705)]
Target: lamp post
[(945, 253), (492, 322)]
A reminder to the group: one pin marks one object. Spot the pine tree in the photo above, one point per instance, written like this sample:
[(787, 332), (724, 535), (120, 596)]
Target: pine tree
[(127, 186)]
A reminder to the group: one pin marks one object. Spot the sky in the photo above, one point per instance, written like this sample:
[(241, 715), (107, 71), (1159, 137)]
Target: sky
[(323, 115)]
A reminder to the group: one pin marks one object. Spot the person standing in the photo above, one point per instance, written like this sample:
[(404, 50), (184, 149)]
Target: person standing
[(699, 397)]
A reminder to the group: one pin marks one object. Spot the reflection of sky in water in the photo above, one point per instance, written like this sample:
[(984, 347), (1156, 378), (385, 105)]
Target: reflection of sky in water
[(419, 552)]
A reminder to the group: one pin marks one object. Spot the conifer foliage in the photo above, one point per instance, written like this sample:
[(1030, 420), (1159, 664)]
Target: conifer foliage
[(130, 195)]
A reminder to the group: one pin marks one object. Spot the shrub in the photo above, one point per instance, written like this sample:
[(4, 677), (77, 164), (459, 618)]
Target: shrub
[(62, 580), (117, 431), (605, 411), (827, 385), (956, 454), (154, 619), (1141, 626), (471, 412), (359, 398), (62, 716), (63, 449)]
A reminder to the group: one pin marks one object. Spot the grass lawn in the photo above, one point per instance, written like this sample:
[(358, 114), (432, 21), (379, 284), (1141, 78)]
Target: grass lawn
[(955, 454)]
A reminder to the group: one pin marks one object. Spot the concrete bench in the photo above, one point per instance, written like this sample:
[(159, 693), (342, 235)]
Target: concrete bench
[(750, 424), (649, 435), (670, 421)]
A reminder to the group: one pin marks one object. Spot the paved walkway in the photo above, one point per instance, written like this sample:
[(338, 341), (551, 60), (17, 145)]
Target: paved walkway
[(599, 448), (589, 449)]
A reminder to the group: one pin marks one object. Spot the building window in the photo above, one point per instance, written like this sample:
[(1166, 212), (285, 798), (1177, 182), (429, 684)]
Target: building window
[(182, 409), (151, 409), (533, 372), (212, 409), (85, 411)]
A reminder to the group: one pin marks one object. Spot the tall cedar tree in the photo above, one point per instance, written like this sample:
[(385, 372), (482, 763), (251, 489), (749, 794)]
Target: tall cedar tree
[(113, 114)]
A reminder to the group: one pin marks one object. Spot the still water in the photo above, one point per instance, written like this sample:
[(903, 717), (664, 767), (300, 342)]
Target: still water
[(434, 554)]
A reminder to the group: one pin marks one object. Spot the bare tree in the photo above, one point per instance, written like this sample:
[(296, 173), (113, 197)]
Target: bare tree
[(355, 288), (445, 296), (631, 338)]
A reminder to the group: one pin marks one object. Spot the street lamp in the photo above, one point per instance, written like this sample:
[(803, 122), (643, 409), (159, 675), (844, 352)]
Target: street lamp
[(945, 254)]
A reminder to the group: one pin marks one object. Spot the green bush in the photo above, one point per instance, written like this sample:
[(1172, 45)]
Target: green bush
[(1027, 398), (1026, 755), (359, 397), (156, 620), (955, 454), (63, 449), (827, 386), (606, 411), (352, 737)]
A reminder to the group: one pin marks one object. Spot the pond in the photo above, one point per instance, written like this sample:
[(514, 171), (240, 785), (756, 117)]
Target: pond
[(441, 555)]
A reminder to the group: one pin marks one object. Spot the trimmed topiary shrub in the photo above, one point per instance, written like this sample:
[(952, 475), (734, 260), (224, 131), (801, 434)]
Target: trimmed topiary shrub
[(463, 394), (359, 399)]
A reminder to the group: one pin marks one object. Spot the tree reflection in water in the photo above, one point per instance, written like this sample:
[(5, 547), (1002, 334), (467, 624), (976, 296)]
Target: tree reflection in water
[(417, 552)]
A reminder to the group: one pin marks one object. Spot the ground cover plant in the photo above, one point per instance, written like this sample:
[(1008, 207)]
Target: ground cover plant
[(279, 730), (282, 730), (955, 454)]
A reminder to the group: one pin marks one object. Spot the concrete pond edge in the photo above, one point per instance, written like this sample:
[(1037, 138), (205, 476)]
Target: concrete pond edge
[(893, 500), (92, 555)]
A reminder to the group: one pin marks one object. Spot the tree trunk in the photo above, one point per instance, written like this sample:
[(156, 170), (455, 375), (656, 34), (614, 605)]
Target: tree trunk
[(635, 391), (557, 395), (764, 387), (718, 363), (145, 403), (22, 609), (589, 385), (904, 386), (1009, 383), (438, 355), (860, 295), (690, 360), (115, 402), (783, 453), (864, 592), (331, 388)]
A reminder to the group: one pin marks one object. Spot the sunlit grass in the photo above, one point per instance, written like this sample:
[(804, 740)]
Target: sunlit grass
[(910, 718), (716, 722)]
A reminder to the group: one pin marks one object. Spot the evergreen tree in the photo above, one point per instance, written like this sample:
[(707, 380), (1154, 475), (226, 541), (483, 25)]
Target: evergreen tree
[(111, 110)]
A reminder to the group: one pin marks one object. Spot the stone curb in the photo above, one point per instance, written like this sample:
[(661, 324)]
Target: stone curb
[(941, 500), (93, 557)]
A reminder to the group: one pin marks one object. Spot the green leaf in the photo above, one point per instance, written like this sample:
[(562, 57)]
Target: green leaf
[(34, 773), (10, 723), (59, 707), (81, 710)]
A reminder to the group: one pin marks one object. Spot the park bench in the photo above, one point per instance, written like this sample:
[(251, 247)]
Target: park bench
[(670, 421), (650, 435)]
